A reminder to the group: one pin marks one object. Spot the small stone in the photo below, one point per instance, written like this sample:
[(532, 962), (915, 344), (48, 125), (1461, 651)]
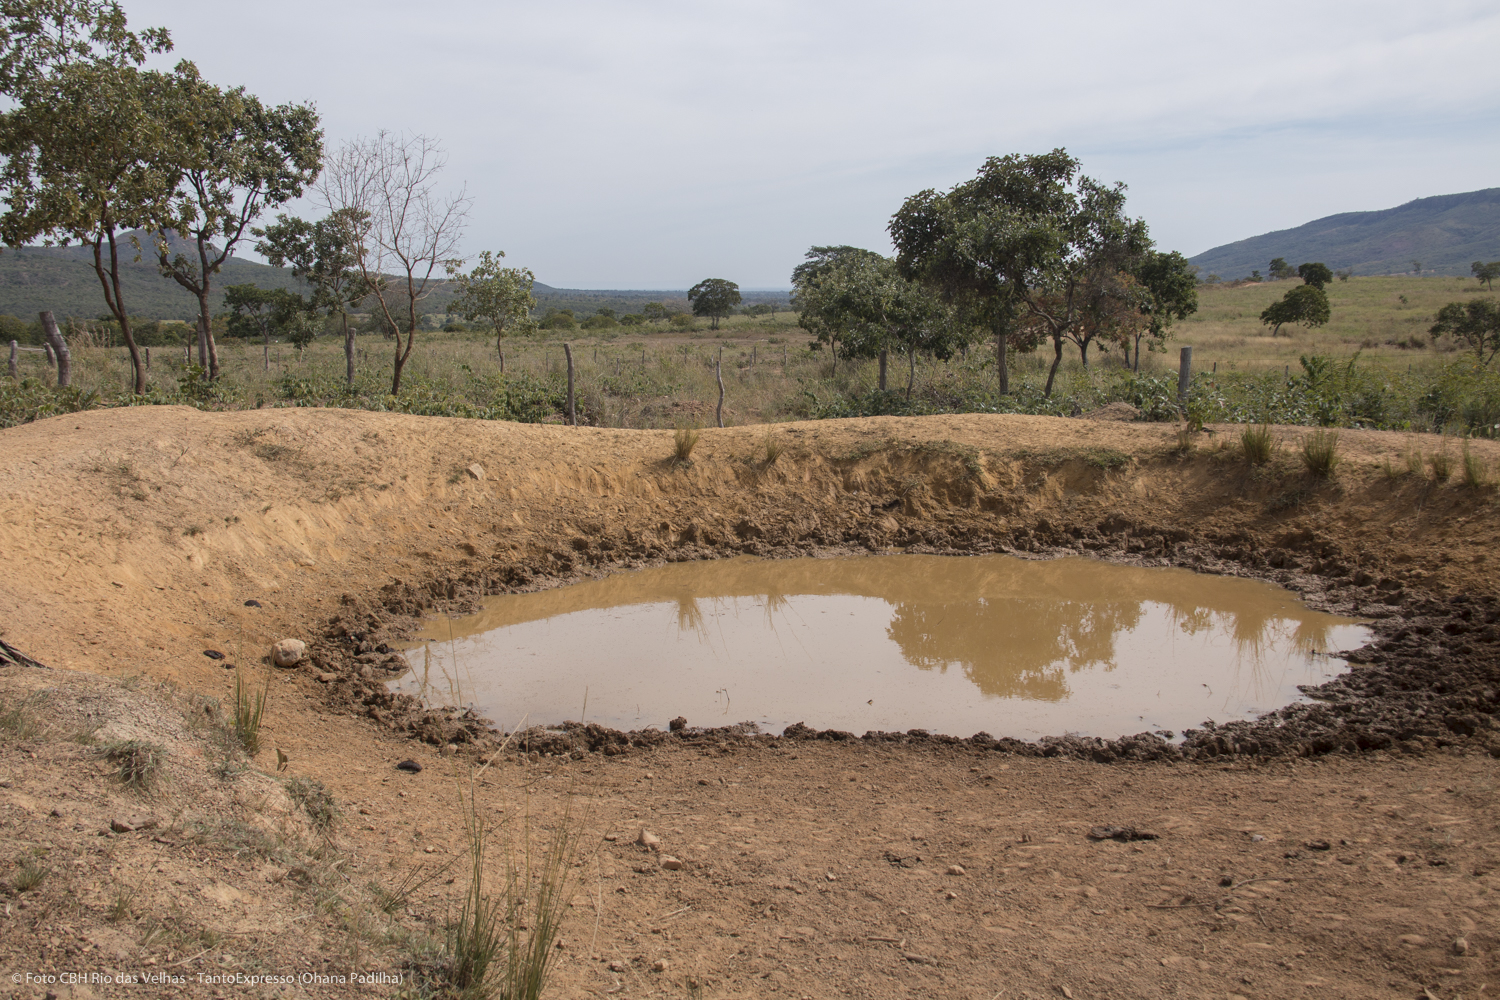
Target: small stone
[(618, 966), (950, 895), (409, 765), (678, 724), (1256, 838), (327, 677), (1412, 940), (611, 837), (120, 826), (450, 750), (213, 654), (660, 965), (830, 876), (288, 652), (1460, 946), (955, 870), (476, 471), (252, 603), (671, 864), (648, 840), (703, 781)]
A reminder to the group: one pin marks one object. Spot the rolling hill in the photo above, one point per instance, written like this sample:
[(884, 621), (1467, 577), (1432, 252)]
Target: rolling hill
[(1446, 233), (62, 279)]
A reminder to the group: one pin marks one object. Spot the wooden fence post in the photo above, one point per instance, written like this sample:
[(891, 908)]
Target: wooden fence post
[(60, 348), (572, 411), (1184, 378), (719, 374)]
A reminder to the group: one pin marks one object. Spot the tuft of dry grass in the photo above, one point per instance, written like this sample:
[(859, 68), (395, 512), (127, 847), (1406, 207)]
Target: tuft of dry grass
[(1258, 443), (1476, 473), (138, 763), (30, 873), (684, 440), (774, 447), (249, 707), (1441, 464), (1320, 452), (22, 720)]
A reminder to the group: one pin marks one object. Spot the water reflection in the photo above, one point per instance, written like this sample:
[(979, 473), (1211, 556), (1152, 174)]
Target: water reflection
[(1067, 645)]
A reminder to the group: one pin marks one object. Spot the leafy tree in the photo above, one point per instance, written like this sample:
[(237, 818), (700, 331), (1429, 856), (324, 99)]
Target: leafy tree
[(632, 319), (404, 230), (1255, 277), (255, 311), (1476, 323), (654, 312), (1171, 293), (1305, 304), (815, 294), (558, 319), (237, 158), (1345, 274), (1317, 275), (1280, 269), (321, 254), (1025, 238), (499, 296), (714, 298), (1486, 273), (84, 145), (1416, 267)]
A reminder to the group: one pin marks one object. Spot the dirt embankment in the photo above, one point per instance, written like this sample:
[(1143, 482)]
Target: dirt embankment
[(134, 539)]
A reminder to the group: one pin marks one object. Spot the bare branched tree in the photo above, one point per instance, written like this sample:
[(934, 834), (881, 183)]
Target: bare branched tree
[(405, 233)]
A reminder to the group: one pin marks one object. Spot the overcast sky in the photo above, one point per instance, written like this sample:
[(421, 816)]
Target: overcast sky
[(655, 143)]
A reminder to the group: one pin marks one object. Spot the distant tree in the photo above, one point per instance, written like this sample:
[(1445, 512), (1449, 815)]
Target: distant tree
[(632, 319), (813, 292), (1212, 279), (405, 228), (680, 321), (1316, 275), (1306, 305), (237, 159), (1280, 269), (1345, 274), (654, 312), (321, 254), (1486, 273), (558, 319), (262, 312), (1255, 277), (1476, 323), (601, 320), (605, 311), (714, 298), (1416, 267), (1171, 293), (84, 148), (759, 309), (499, 296)]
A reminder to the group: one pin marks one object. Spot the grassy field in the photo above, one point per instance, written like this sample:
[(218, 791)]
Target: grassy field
[(1373, 365)]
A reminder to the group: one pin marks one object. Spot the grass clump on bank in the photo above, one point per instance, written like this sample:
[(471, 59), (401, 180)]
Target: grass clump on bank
[(1258, 443), (1320, 453), (138, 763)]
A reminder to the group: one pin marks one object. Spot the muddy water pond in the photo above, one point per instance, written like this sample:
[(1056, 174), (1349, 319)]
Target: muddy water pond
[(953, 645)]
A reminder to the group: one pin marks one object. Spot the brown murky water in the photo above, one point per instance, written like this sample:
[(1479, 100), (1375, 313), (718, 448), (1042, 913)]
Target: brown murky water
[(953, 645)]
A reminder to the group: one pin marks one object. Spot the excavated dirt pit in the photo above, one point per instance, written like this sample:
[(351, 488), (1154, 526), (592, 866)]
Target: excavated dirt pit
[(953, 645)]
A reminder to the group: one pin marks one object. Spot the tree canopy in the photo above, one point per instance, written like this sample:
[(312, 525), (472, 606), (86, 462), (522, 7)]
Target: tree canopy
[(1027, 237), (1476, 323), (1170, 293), (1306, 305), (1486, 273), (1318, 275), (320, 253), (714, 298)]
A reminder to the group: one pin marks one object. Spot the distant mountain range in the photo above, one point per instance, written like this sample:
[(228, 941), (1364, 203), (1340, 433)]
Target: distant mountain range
[(1446, 233), (62, 279)]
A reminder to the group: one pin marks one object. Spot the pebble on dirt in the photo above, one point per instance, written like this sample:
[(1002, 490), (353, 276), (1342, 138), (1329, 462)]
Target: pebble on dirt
[(288, 652), (648, 840), (660, 965), (252, 603), (409, 765), (955, 869), (671, 864), (477, 471), (213, 654)]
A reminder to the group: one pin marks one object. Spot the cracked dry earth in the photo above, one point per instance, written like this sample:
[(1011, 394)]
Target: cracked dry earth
[(1351, 856)]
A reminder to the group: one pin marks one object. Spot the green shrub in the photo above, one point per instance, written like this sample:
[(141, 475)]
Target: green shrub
[(1258, 443)]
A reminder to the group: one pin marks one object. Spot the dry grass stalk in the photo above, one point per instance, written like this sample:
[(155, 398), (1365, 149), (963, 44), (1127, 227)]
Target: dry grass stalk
[(1258, 443), (1320, 452)]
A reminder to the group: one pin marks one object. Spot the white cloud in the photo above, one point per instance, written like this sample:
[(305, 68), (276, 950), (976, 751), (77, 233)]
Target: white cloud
[(651, 144)]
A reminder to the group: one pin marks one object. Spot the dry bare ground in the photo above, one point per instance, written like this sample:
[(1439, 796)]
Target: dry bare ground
[(1343, 851)]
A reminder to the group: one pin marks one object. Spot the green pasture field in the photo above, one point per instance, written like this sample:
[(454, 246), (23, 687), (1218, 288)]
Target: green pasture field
[(1373, 365)]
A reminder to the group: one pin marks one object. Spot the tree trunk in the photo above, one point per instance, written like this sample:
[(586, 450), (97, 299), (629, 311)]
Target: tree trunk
[(719, 374), (572, 410), (206, 333), (266, 331), (1083, 353), (911, 379), (60, 348), (1002, 362), (502, 362), (15, 371), (500, 347), (882, 370), (1056, 361)]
